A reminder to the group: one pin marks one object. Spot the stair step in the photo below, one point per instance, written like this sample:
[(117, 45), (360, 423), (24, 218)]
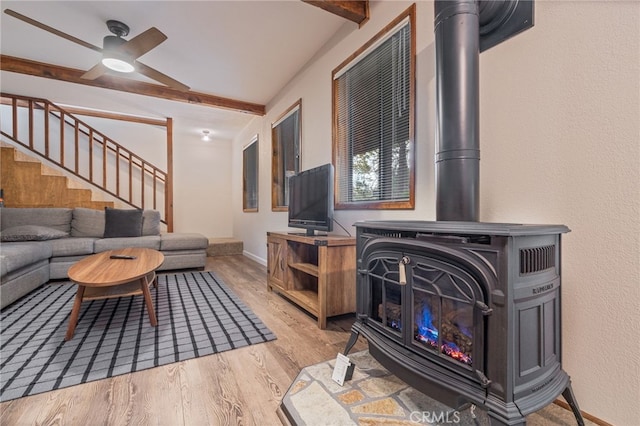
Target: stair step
[(224, 247), (27, 184)]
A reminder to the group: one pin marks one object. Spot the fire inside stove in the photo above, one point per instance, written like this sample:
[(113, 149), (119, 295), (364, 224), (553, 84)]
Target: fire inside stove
[(449, 334), (454, 342)]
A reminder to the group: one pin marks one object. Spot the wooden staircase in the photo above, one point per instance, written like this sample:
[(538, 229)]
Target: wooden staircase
[(76, 150), (26, 182)]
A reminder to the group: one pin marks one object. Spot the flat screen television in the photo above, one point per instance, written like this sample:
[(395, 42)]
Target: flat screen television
[(311, 199)]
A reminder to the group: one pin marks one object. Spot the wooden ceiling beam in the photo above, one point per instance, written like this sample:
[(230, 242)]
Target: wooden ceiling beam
[(71, 75), (356, 11)]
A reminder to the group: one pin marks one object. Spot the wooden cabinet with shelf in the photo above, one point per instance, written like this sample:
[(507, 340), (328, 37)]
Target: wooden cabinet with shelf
[(317, 273)]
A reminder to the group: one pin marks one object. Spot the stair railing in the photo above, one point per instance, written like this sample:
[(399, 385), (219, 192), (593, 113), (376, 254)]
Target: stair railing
[(62, 139)]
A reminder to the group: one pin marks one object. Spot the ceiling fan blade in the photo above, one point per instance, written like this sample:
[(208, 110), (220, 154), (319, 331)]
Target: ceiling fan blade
[(142, 43), (160, 77), (51, 30), (134, 48), (95, 72)]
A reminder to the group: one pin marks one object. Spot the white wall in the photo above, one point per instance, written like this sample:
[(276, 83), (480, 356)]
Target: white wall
[(560, 143), (202, 193)]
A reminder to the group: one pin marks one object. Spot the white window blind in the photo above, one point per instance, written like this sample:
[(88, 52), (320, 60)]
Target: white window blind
[(373, 103)]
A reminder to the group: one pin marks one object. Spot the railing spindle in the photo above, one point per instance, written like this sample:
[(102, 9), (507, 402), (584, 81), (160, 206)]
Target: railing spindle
[(14, 118), (31, 124), (46, 130), (104, 162), (143, 171), (155, 187), (75, 145), (91, 154), (118, 170), (62, 123), (130, 178)]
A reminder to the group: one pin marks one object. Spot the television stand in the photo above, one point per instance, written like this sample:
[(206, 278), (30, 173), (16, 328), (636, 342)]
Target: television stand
[(317, 273), (304, 234)]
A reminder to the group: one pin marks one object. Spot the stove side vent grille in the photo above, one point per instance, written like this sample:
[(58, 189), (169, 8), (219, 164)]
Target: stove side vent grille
[(536, 259)]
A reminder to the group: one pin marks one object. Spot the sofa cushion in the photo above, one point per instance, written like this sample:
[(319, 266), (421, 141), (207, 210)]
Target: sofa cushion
[(14, 256), (150, 222), (87, 223), (59, 266), (120, 223), (150, 241), (71, 246), (183, 241), (179, 260), (22, 281), (31, 233), (56, 218)]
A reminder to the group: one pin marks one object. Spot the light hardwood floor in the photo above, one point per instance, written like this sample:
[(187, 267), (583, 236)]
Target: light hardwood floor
[(239, 387)]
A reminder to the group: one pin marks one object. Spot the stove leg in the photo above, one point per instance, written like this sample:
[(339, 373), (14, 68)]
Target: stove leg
[(352, 341), (573, 403)]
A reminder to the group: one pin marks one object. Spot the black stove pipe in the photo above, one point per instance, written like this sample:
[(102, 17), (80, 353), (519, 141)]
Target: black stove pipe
[(457, 91)]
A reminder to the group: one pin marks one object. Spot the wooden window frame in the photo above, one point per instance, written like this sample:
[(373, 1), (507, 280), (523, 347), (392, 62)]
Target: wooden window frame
[(278, 188), (410, 14), (245, 185)]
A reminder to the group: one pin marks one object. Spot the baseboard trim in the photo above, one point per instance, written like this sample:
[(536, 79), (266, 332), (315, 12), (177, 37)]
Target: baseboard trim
[(252, 256), (587, 416)]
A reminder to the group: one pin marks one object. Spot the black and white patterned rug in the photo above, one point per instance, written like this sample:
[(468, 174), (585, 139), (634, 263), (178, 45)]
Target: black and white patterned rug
[(197, 315)]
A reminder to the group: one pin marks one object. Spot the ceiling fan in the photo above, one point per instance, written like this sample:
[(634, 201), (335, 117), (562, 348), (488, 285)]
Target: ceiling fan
[(118, 54)]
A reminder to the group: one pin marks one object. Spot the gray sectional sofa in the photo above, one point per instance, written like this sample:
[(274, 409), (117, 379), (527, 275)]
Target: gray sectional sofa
[(40, 244)]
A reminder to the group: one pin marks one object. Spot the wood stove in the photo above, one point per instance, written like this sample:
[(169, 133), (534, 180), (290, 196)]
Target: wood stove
[(465, 311), (462, 310)]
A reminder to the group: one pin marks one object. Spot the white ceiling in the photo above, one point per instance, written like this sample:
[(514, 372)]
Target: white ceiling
[(243, 50)]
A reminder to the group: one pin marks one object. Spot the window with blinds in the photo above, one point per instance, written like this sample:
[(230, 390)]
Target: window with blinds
[(285, 159), (373, 101), (250, 176)]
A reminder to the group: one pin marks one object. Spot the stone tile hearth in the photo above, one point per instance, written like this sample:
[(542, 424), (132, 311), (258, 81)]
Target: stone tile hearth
[(376, 397)]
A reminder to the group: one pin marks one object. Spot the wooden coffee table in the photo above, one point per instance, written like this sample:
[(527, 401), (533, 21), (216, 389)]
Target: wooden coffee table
[(100, 277)]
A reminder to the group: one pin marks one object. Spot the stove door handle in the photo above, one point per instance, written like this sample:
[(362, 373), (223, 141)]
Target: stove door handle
[(483, 379), (486, 310), (402, 270)]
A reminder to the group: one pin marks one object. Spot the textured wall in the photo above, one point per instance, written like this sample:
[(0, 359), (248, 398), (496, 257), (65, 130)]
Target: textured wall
[(560, 143)]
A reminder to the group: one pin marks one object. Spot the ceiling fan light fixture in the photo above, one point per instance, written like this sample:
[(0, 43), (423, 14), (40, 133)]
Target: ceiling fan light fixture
[(117, 64), (113, 59)]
